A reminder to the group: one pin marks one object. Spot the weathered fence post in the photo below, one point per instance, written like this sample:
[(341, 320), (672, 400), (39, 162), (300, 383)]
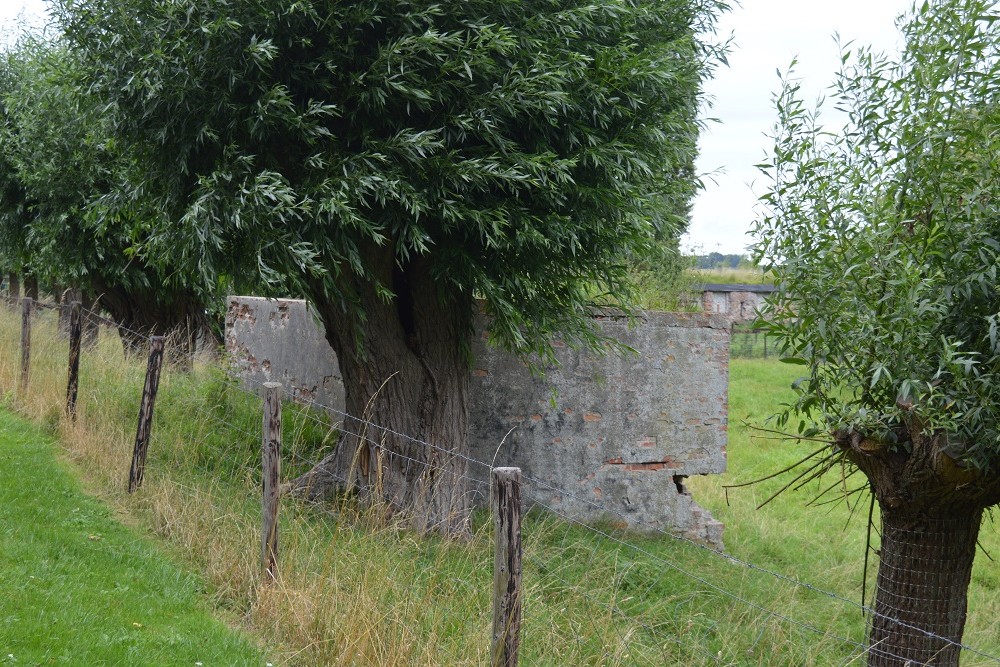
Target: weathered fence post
[(506, 505), (75, 334), (146, 413), (26, 306), (271, 461)]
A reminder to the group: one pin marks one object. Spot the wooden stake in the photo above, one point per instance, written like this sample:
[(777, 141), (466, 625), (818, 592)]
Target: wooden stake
[(271, 461), (506, 505), (75, 334), (26, 307), (146, 413)]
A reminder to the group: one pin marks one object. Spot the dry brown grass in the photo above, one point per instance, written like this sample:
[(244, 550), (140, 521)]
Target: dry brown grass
[(355, 589)]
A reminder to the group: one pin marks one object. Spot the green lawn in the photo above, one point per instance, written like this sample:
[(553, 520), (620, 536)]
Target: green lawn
[(78, 588)]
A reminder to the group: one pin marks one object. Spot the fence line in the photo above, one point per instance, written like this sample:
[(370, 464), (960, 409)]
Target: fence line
[(362, 435), (596, 505), (865, 609)]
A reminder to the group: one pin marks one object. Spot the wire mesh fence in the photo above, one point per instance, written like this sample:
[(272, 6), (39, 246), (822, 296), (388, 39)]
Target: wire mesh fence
[(594, 593), (749, 342)]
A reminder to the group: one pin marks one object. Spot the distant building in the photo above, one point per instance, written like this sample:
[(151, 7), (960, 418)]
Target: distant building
[(737, 302)]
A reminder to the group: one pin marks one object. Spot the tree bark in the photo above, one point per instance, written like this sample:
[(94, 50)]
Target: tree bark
[(405, 367), (931, 506), (31, 287), (925, 566), (14, 288), (144, 313)]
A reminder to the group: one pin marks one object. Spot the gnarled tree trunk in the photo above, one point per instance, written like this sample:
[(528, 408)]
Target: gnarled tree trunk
[(31, 287), (931, 508), (406, 377), (140, 314)]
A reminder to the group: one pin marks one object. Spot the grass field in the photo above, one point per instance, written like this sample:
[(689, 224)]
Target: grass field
[(356, 590), (729, 276), (81, 589)]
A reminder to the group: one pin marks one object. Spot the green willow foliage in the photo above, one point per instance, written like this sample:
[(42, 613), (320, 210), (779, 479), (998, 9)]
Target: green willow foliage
[(529, 150), (59, 152), (13, 198), (57, 146), (884, 238)]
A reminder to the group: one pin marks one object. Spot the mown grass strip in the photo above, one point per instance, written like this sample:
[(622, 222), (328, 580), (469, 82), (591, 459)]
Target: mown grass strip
[(80, 588)]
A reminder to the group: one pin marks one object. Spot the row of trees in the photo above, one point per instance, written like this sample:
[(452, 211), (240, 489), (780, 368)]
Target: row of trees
[(58, 158), (404, 166), (408, 165)]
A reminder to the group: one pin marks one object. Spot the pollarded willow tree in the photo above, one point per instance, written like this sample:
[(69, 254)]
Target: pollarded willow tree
[(885, 239), (57, 159), (395, 163)]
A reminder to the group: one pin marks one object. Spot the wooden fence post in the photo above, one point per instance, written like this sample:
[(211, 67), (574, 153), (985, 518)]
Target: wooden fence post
[(271, 461), (146, 413), (26, 306), (506, 505), (75, 334)]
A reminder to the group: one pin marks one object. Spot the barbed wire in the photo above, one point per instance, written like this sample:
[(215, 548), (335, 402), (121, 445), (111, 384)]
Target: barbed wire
[(864, 609), (363, 437), (607, 536)]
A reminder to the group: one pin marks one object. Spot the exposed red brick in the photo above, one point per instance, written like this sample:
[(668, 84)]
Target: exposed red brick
[(536, 418), (480, 372), (591, 416), (631, 467), (613, 462)]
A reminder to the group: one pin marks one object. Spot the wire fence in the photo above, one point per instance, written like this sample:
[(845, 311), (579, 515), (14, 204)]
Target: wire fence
[(749, 342), (608, 595)]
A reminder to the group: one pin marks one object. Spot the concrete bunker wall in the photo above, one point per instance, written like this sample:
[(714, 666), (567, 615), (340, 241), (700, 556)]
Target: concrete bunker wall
[(599, 437)]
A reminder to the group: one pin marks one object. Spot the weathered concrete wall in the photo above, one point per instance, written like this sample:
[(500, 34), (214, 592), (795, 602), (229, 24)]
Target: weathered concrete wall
[(279, 340), (737, 306), (600, 437), (739, 303)]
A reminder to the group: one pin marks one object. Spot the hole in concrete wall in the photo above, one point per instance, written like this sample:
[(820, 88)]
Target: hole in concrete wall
[(679, 483)]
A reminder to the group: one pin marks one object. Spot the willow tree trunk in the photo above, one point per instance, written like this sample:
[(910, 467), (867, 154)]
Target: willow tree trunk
[(405, 367), (931, 507), (31, 287), (925, 565), (141, 313), (13, 288)]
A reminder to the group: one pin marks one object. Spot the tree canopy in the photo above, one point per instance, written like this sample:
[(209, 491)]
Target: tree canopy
[(524, 149), (883, 239), (399, 163), (59, 158)]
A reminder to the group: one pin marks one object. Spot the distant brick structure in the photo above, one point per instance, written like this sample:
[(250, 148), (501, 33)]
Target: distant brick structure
[(600, 437), (738, 303)]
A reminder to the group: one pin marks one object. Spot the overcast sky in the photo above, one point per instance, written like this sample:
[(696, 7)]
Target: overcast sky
[(767, 34), (10, 10)]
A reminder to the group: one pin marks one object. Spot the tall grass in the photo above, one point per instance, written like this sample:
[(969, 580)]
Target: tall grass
[(355, 589)]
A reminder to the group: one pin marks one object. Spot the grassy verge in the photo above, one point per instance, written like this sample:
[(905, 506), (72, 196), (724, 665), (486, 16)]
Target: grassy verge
[(80, 588), (356, 590), (729, 276)]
